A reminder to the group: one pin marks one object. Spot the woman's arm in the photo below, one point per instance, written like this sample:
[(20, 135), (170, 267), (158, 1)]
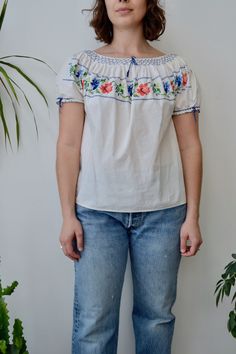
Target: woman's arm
[(71, 121), (187, 132)]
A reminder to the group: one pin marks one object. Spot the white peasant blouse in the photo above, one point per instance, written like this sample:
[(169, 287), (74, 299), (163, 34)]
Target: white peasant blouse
[(129, 159)]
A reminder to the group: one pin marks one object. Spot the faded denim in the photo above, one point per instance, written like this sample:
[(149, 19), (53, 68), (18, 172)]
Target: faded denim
[(153, 240)]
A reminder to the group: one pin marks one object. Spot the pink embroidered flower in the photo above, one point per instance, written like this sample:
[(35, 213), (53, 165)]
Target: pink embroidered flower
[(106, 87), (82, 82), (143, 89), (185, 78)]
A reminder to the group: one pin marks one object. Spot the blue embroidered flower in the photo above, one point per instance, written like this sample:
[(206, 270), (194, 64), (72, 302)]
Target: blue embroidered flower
[(130, 89), (178, 80), (78, 73), (167, 86), (95, 83)]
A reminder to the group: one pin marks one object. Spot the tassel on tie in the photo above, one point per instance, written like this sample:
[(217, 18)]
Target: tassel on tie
[(133, 61)]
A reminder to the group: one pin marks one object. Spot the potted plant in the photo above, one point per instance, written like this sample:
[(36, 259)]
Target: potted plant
[(18, 345), (223, 287)]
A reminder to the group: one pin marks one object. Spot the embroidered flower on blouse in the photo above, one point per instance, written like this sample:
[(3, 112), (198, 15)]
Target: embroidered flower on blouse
[(185, 78), (178, 80), (106, 87), (130, 89), (82, 84), (77, 73), (165, 87), (94, 83), (143, 89)]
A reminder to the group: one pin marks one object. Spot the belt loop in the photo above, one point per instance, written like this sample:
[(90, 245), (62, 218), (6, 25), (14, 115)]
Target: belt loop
[(130, 220)]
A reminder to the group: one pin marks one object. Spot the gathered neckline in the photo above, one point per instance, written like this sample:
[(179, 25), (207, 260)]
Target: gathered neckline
[(125, 60)]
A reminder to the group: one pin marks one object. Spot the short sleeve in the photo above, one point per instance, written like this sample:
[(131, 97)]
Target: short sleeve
[(69, 82), (188, 96)]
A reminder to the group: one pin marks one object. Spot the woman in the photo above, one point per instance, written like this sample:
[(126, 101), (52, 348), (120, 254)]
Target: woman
[(129, 169)]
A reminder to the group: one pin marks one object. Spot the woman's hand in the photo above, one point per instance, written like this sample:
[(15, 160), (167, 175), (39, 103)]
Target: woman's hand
[(71, 234), (190, 230)]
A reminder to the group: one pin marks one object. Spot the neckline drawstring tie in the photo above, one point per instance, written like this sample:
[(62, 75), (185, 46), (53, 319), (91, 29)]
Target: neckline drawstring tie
[(132, 61)]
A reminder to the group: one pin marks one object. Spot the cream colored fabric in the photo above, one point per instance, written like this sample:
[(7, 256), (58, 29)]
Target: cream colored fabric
[(130, 159)]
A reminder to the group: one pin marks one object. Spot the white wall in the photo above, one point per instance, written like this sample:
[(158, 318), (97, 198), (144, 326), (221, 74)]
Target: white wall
[(203, 33)]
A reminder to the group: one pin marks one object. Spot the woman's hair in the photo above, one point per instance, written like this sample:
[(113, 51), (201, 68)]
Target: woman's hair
[(154, 21)]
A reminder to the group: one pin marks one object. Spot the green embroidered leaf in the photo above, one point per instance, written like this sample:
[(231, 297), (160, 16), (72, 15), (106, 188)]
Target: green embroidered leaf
[(86, 84), (156, 88), (119, 89)]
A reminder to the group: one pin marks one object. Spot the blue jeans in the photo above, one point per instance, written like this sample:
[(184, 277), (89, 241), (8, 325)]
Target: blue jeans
[(153, 240)]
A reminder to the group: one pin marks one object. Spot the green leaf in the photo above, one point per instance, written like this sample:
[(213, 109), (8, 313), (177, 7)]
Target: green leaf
[(232, 269), (9, 289), (218, 297), (5, 74), (16, 116), (3, 347), (222, 293), (218, 286), (229, 264), (21, 72), (232, 321), (2, 116), (28, 103), (13, 350), (219, 281), (4, 321), (3, 11), (29, 57), (18, 339), (227, 288)]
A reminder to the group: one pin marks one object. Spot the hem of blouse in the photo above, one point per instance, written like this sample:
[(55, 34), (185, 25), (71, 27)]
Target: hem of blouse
[(186, 110), (137, 210)]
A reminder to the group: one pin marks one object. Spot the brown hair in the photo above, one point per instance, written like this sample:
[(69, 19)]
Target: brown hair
[(154, 21)]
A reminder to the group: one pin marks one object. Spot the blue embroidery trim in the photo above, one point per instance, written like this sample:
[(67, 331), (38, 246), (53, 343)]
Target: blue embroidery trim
[(60, 100), (116, 60), (193, 109), (132, 99)]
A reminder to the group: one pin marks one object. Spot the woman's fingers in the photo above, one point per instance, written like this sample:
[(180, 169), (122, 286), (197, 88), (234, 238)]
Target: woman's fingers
[(79, 239), (69, 251), (190, 231), (71, 238)]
